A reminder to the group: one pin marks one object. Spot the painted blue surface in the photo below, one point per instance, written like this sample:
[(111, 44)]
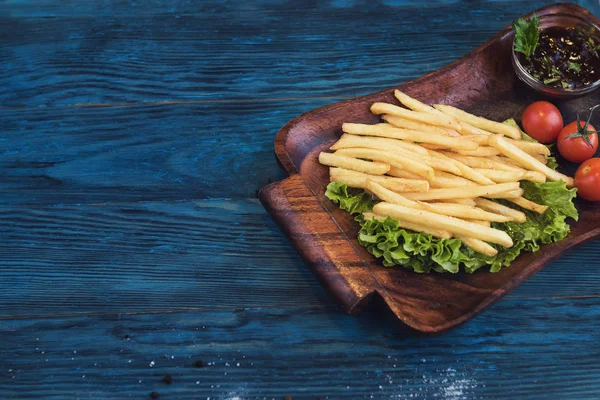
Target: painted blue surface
[(134, 136)]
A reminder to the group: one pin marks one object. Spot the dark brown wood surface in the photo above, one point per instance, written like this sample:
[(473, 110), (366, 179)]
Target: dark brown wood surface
[(482, 82)]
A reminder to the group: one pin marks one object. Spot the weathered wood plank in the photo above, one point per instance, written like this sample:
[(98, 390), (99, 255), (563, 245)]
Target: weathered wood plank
[(534, 349), (144, 152), (119, 258), (148, 256), (108, 53), (128, 8)]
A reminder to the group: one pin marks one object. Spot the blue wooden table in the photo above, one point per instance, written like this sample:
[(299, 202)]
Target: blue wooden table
[(134, 136)]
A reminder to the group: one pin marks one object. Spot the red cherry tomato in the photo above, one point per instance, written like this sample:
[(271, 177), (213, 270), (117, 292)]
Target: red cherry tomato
[(587, 180), (576, 149), (542, 121)]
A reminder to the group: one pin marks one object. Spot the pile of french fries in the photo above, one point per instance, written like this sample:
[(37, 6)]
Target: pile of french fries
[(435, 170)]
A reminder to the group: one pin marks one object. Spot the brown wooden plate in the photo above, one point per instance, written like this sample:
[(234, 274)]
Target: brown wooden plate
[(483, 83)]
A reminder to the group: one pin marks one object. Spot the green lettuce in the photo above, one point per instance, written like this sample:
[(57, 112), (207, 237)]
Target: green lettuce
[(551, 159), (355, 201), (423, 253), (524, 136)]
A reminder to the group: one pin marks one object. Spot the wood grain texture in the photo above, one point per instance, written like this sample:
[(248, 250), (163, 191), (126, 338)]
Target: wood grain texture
[(243, 10), (104, 52), (140, 153), (483, 83), (112, 223), (205, 254), (147, 257), (513, 352)]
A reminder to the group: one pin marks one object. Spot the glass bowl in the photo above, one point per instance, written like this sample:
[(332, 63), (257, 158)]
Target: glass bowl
[(563, 21)]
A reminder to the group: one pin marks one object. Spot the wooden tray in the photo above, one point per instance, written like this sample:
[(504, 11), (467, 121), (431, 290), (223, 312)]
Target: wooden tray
[(482, 82)]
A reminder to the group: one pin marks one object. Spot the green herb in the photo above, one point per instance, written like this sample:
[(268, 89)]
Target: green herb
[(591, 42), (583, 131), (555, 70), (575, 67), (551, 80), (527, 35)]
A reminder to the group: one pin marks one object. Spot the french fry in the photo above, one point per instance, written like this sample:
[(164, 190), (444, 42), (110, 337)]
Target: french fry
[(389, 196), (479, 139), (464, 192), (499, 176), (506, 163), (413, 227), (439, 164), (510, 194), (462, 211), (386, 130), (534, 176), (352, 181), (473, 175), (540, 158), (440, 180), (481, 151), (368, 167), (348, 141), (397, 146), (479, 246), (408, 164), (480, 122), (467, 171), (453, 225), (401, 173), (444, 179), (449, 209), (413, 103), (358, 179), (369, 216), (466, 202), (469, 129), (416, 105), (498, 208), (479, 162), (484, 223), (529, 205), (430, 146), (530, 147), (406, 123), (527, 160), (428, 118)]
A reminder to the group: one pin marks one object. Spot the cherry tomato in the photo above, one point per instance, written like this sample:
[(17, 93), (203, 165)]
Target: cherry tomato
[(576, 149), (542, 121), (587, 180)]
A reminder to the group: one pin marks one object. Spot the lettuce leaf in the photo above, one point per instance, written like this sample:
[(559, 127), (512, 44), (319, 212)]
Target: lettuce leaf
[(423, 253), (524, 136), (355, 201), (551, 159)]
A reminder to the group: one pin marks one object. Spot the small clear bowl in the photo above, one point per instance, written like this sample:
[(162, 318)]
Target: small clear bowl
[(564, 21)]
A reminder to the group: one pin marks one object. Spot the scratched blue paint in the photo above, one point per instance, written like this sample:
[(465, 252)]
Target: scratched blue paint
[(81, 80), (325, 350), (142, 219)]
